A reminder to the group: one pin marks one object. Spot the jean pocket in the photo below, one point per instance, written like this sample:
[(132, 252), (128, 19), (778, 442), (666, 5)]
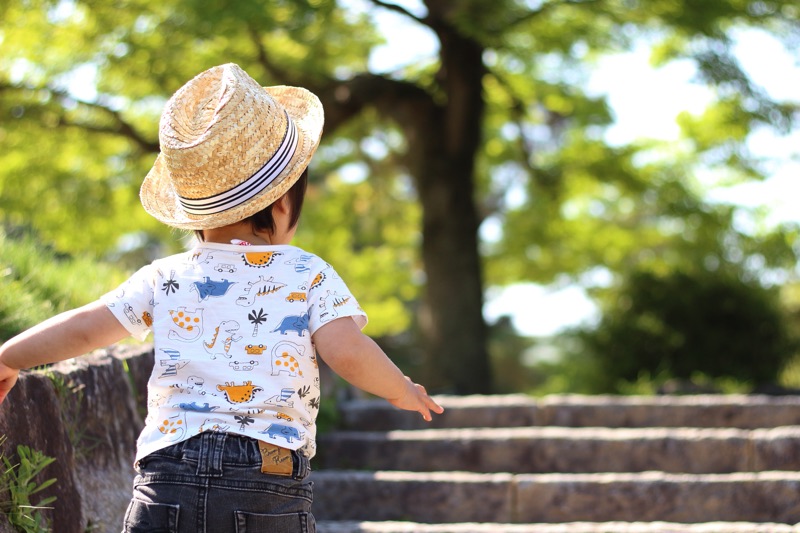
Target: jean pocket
[(148, 517), (274, 523)]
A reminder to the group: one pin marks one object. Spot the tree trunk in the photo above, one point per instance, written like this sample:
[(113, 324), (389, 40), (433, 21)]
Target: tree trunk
[(451, 319), (443, 141), (443, 150)]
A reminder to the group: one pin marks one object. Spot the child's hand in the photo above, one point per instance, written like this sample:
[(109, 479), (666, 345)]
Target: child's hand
[(360, 361), (8, 377), (415, 398)]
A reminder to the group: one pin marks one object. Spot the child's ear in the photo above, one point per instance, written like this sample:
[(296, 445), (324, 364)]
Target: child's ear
[(283, 205)]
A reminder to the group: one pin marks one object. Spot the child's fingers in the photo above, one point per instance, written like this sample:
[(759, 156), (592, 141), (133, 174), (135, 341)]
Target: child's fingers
[(416, 398), (428, 404), (433, 406), (6, 385)]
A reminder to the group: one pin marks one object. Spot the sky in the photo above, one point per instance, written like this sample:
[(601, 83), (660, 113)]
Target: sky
[(539, 311), (543, 311)]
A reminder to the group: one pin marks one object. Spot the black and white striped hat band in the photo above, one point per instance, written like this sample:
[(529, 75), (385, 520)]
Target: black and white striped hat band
[(251, 186)]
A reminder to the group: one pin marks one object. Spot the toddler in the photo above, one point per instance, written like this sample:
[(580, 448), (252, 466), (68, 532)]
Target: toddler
[(237, 321)]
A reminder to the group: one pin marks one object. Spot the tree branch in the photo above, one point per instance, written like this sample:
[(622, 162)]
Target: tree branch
[(398, 9), (342, 100), (263, 59), (398, 100), (120, 125), (545, 7), (526, 146)]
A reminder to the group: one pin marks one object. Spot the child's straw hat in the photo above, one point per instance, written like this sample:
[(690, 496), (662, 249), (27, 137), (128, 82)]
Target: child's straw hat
[(229, 148)]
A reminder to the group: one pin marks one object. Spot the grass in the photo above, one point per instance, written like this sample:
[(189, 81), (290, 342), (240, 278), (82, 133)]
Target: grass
[(18, 484), (37, 283), (70, 399)]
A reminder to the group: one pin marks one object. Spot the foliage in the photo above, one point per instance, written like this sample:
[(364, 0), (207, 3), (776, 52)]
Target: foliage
[(123, 60), (70, 399), (370, 241), (79, 122), (38, 282), (18, 484), (678, 325), (509, 369), (566, 368), (790, 377)]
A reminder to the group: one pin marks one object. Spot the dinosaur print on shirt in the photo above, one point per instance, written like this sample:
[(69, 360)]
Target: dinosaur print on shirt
[(232, 331)]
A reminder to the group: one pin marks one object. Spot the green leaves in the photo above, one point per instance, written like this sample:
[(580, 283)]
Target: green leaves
[(678, 324), (79, 120), (370, 231), (38, 282), (21, 484)]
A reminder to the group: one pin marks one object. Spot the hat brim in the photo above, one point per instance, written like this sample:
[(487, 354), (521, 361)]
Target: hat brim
[(160, 200)]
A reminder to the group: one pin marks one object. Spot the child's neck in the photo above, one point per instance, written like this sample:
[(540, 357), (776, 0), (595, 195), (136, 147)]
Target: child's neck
[(237, 232)]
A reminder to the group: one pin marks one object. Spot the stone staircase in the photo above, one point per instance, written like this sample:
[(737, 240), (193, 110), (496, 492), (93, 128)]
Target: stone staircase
[(571, 464)]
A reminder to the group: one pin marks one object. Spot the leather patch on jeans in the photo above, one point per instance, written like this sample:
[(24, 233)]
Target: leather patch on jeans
[(275, 460)]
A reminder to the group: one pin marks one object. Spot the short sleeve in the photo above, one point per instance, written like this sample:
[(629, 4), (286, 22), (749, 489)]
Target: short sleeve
[(329, 299), (132, 302)]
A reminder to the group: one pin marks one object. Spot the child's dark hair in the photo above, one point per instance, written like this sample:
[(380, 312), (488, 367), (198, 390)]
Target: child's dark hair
[(263, 221)]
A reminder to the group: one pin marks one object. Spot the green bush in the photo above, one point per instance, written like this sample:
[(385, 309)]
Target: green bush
[(36, 282), (682, 326), (18, 483)]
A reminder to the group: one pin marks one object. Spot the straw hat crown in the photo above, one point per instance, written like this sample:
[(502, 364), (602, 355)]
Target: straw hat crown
[(229, 148)]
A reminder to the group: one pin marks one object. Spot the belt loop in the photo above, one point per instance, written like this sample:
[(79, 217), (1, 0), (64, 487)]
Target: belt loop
[(300, 466), (209, 460)]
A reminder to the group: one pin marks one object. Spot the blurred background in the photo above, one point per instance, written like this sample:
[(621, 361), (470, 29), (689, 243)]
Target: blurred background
[(530, 196)]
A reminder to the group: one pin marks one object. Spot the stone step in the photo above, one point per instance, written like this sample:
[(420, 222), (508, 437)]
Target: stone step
[(566, 450), (732, 411), (451, 497), (571, 527)]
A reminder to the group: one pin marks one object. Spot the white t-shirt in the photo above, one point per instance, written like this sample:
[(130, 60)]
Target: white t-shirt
[(232, 330)]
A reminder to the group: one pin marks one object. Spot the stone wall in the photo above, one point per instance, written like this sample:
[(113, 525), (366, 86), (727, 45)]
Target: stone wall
[(87, 415)]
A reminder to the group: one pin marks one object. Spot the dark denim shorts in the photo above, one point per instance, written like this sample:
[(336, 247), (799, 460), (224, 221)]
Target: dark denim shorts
[(212, 483)]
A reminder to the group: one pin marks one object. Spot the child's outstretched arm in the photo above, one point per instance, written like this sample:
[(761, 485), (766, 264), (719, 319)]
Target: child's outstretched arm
[(61, 337), (361, 362)]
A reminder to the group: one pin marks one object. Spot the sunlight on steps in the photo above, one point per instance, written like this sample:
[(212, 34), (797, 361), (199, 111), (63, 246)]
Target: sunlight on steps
[(564, 464)]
